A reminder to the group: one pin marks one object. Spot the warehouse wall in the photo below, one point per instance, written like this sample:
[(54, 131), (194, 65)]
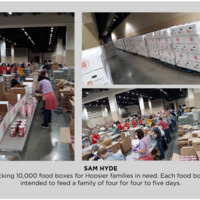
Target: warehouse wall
[(89, 32), (141, 23), (21, 55)]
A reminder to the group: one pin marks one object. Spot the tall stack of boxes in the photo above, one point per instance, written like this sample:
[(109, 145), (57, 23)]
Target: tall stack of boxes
[(164, 43), (109, 50), (152, 45), (7, 81)]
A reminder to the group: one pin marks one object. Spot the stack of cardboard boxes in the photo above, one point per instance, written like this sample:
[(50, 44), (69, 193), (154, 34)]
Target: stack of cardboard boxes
[(125, 143), (54, 66), (94, 67), (188, 143), (7, 81)]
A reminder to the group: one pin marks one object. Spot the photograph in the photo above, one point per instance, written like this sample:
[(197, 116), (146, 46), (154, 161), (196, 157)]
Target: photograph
[(140, 48), (157, 124), (36, 86)]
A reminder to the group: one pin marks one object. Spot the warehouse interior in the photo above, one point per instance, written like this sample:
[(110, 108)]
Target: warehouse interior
[(102, 108), (126, 67), (41, 42)]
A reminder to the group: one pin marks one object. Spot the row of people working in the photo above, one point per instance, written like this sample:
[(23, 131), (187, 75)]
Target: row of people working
[(160, 132)]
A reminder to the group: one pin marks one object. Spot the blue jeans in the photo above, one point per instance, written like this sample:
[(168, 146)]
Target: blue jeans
[(171, 128), (167, 134), (47, 116), (160, 147), (22, 78), (174, 121)]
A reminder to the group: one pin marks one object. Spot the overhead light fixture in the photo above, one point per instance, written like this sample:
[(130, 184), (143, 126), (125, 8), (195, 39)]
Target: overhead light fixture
[(15, 44), (114, 20), (29, 37), (10, 13), (22, 29)]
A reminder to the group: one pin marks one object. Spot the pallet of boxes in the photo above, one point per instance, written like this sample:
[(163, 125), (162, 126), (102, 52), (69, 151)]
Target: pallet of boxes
[(54, 67), (188, 143), (66, 97)]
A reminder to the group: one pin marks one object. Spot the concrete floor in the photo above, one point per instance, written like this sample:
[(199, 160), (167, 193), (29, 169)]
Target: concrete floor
[(44, 144), (127, 68)]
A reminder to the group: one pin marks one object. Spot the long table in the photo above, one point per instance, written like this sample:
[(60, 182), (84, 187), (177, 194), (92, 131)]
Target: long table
[(113, 137), (12, 146)]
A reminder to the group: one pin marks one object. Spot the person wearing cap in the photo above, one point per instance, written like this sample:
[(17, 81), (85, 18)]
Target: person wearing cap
[(95, 137), (104, 154), (15, 81), (93, 156)]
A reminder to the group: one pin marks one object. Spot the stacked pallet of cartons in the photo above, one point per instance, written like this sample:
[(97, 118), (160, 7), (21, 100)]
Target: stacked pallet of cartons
[(164, 44), (152, 45)]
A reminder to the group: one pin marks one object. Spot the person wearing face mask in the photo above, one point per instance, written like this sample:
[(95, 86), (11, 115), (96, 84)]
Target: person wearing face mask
[(104, 154)]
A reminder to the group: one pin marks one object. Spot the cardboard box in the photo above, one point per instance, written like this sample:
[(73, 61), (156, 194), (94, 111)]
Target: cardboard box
[(115, 147), (192, 29), (196, 144), (97, 77), (180, 62), (181, 132), (195, 39), (91, 60), (177, 47), (182, 56), (182, 144), (184, 48), (180, 30), (13, 100), (187, 64), (6, 119), (178, 40), (187, 151), (38, 96), (194, 57), (22, 93), (169, 54), (107, 142), (85, 155), (173, 31), (194, 49), (166, 32)]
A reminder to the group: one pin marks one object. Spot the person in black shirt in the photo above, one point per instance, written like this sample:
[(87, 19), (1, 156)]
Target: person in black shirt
[(157, 135), (15, 81)]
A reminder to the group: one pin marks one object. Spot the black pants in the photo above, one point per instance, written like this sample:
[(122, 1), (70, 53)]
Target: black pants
[(164, 144)]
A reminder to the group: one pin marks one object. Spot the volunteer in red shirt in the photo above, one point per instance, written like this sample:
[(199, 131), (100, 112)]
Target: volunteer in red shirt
[(1, 70), (165, 129), (140, 121), (133, 123), (95, 137), (8, 69), (121, 127), (15, 68), (127, 125)]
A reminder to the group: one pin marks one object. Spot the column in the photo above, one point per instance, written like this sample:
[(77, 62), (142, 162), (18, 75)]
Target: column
[(162, 104), (114, 108), (12, 54), (69, 58), (150, 106), (191, 97), (41, 61), (141, 103), (84, 117), (175, 105), (59, 51), (3, 51), (105, 113)]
